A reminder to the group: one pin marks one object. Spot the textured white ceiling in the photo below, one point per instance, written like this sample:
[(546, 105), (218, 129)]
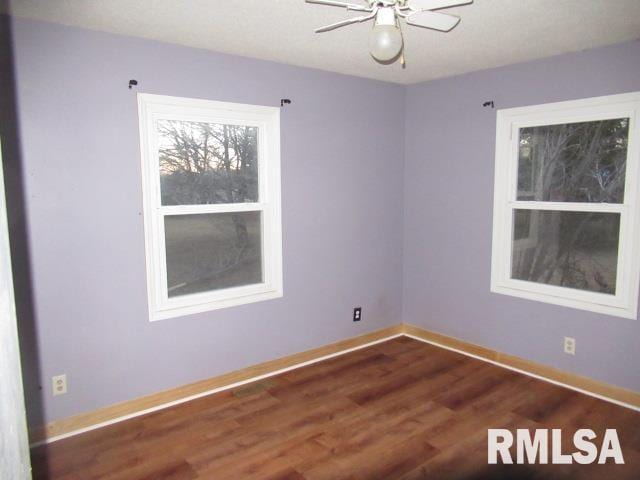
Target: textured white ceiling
[(492, 32)]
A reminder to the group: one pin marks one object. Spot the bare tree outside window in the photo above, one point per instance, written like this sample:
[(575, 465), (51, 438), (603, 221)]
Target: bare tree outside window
[(571, 249), (205, 163), (573, 162)]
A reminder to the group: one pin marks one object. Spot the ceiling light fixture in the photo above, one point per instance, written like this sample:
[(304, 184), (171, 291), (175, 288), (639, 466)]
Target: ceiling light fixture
[(386, 43)]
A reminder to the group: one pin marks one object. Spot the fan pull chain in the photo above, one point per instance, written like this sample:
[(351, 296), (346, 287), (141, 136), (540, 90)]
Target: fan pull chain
[(402, 61)]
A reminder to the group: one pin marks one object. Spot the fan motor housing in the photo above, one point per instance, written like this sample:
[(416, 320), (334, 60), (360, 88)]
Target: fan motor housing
[(386, 16)]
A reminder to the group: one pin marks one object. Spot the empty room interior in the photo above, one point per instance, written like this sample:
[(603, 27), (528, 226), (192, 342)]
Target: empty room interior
[(319, 240)]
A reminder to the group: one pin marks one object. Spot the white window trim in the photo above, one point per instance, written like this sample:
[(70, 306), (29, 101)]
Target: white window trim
[(156, 107), (509, 121)]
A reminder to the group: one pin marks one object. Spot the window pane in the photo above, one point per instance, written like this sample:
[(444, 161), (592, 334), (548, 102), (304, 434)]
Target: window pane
[(205, 163), (569, 249), (212, 251), (573, 162)]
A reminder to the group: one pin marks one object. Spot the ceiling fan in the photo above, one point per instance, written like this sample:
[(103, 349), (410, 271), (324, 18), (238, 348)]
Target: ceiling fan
[(386, 43)]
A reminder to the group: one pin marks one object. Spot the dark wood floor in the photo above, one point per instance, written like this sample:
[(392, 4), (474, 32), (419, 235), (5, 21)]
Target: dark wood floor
[(398, 410)]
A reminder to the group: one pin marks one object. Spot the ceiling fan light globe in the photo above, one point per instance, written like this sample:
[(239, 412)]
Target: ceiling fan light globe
[(385, 42)]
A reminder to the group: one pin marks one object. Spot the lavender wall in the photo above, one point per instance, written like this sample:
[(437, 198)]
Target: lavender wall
[(448, 215), (342, 164)]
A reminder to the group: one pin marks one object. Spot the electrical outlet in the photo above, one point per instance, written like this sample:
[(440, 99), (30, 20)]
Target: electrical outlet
[(59, 384), (357, 314), (570, 345)]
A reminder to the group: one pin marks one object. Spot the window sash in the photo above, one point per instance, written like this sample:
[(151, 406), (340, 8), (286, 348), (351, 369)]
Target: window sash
[(212, 208), (264, 146), (569, 206), (269, 257), (617, 300), (211, 294), (509, 123)]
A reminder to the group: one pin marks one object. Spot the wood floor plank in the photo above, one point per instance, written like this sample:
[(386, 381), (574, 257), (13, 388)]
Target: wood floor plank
[(401, 409)]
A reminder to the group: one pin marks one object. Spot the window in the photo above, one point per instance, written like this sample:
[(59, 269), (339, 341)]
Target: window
[(565, 225), (211, 183)]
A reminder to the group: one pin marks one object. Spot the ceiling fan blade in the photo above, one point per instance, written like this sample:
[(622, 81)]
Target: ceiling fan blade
[(346, 22), (433, 20), (348, 6), (436, 4)]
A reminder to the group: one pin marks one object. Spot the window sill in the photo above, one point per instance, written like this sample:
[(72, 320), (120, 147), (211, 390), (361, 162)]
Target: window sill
[(209, 305), (629, 312)]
